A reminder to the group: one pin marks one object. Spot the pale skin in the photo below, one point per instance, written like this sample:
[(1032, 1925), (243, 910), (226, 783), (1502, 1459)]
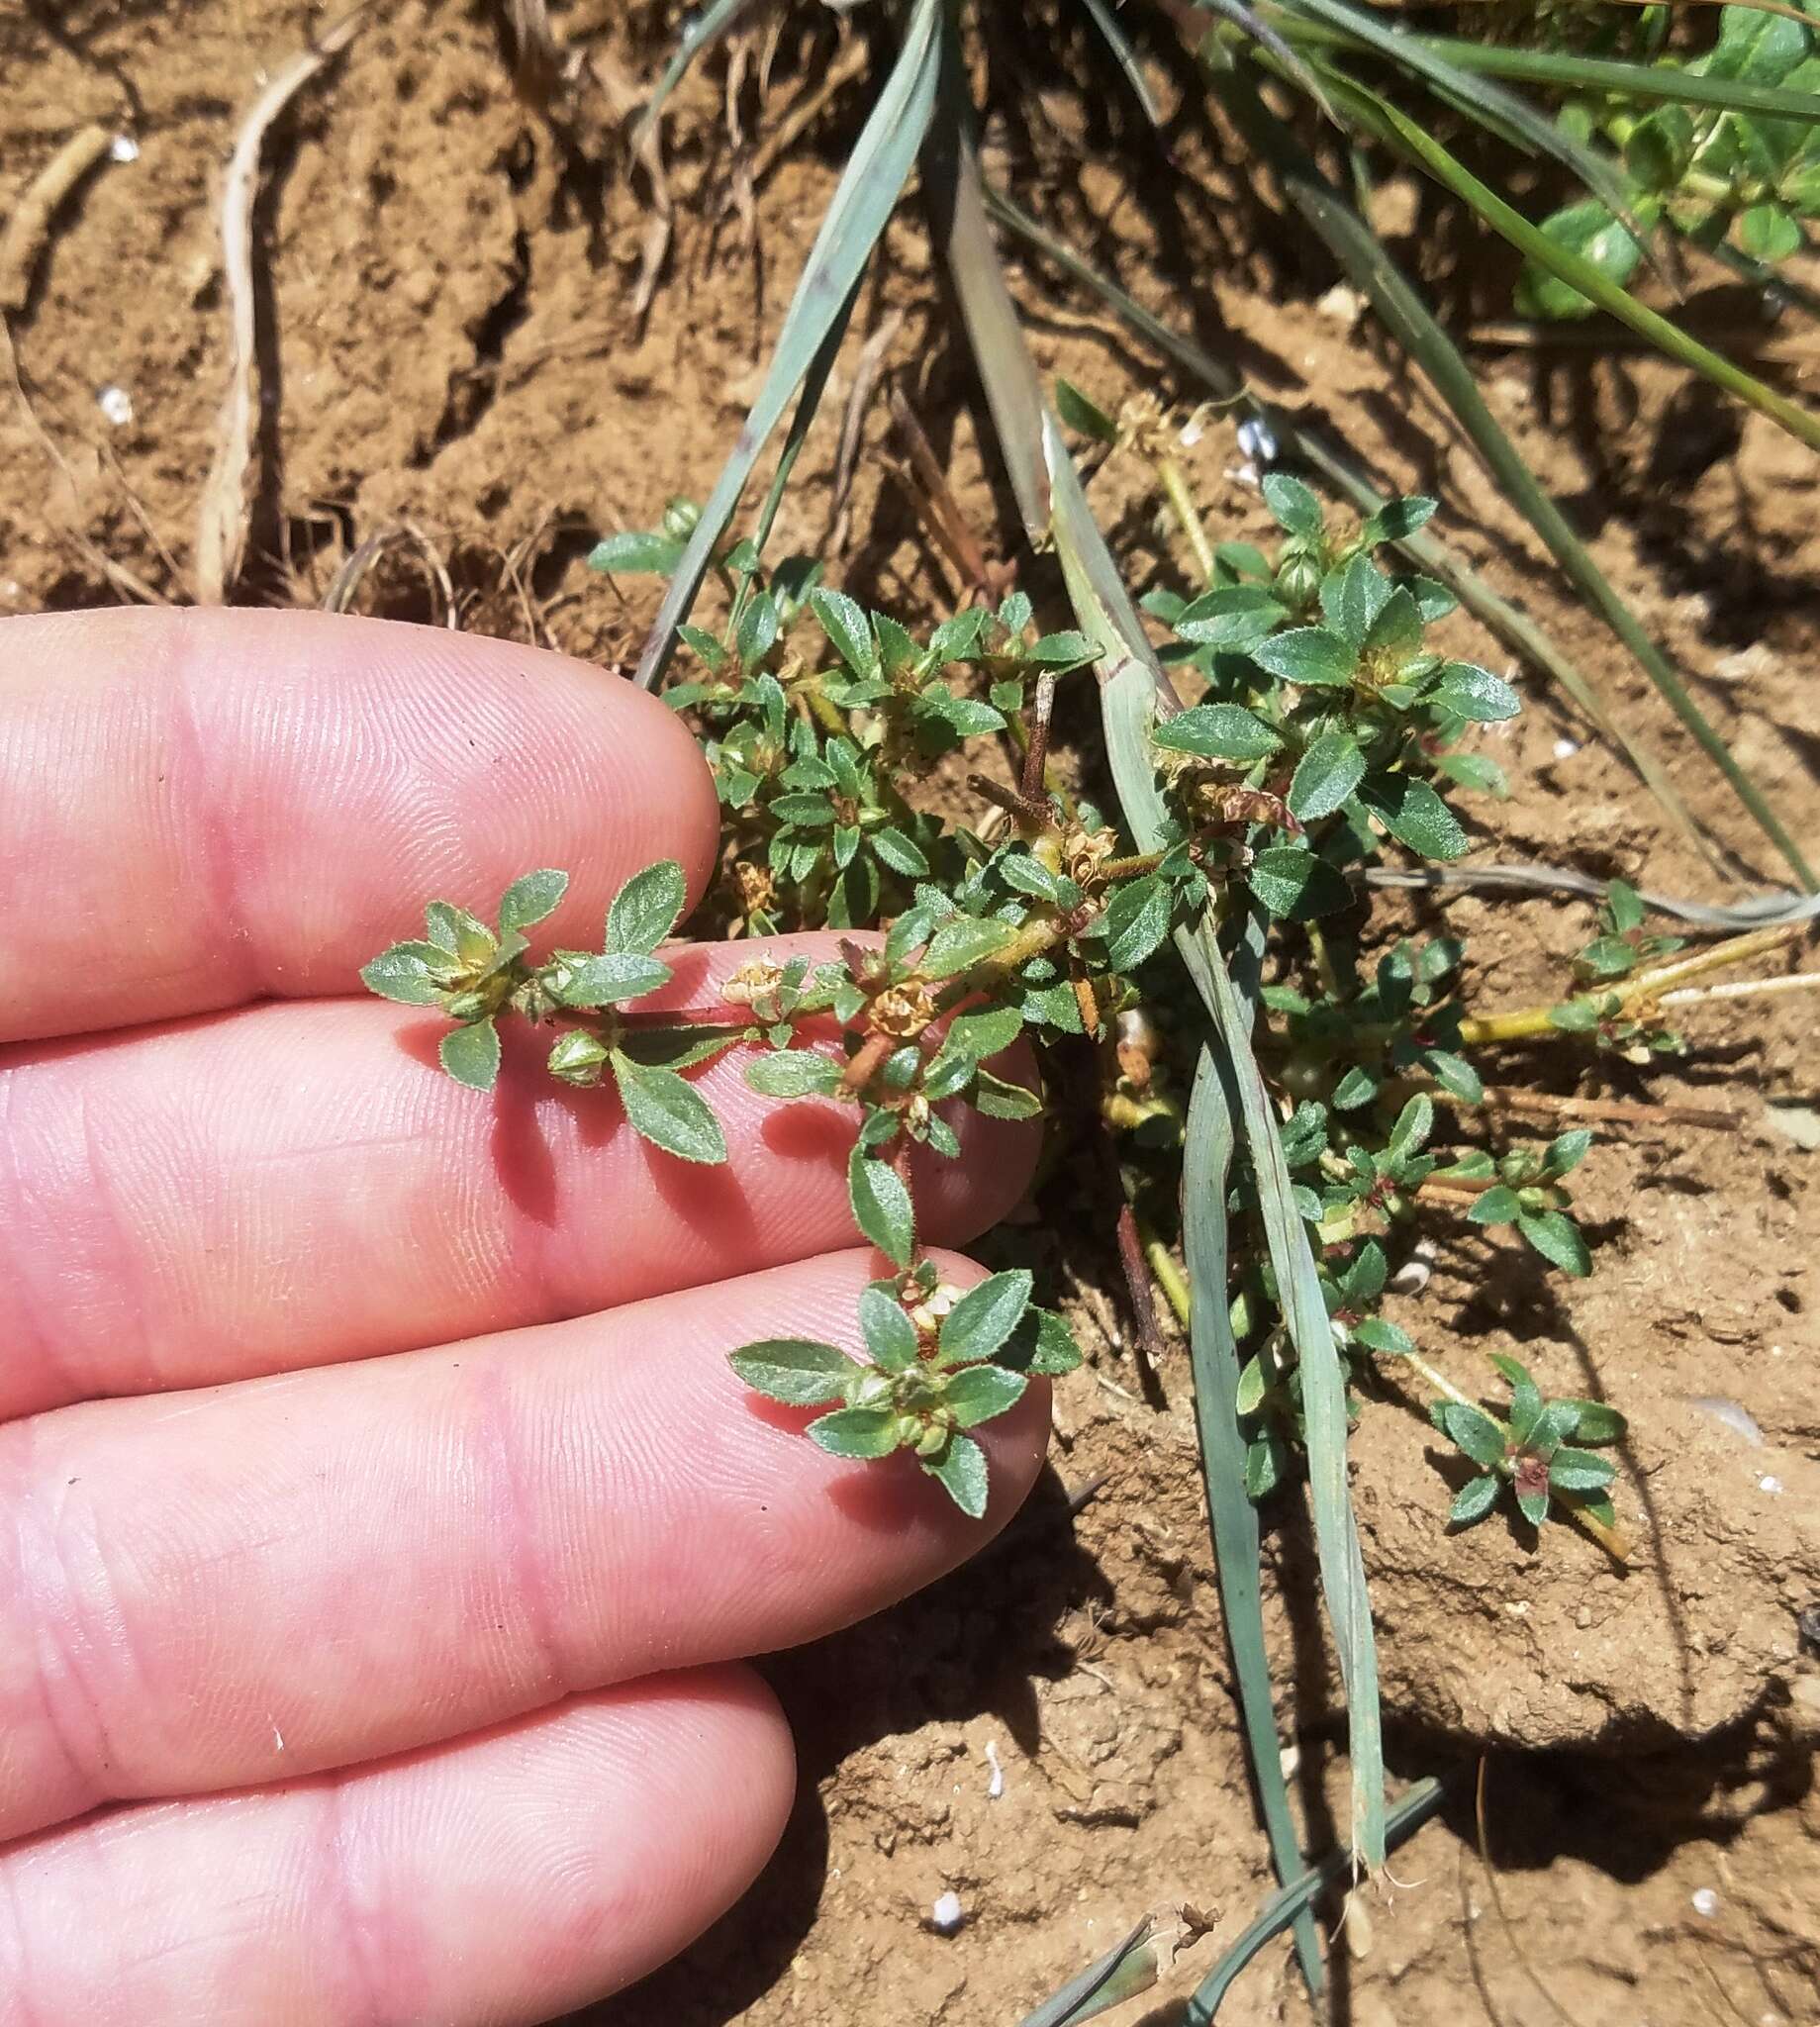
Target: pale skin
[(382, 1531)]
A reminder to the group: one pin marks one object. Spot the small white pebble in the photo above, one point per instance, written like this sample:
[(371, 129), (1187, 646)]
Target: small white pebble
[(1705, 1901), (1413, 1275), (122, 148), (948, 1914), (1771, 1485), (1289, 1759), (994, 1788), (1565, 749), (116, 404), (1257, 445)]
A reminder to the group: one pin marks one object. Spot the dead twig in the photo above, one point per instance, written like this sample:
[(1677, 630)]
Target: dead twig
[(1618, 1111), (866, 372), (27, 231), (220, 529)]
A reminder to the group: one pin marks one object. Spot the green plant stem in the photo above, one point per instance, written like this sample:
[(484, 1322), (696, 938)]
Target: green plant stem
[(1174, 482), (1528, 1023), (1169, 1276)]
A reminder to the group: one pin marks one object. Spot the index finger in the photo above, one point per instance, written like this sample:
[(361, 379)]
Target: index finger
[(202, 808)]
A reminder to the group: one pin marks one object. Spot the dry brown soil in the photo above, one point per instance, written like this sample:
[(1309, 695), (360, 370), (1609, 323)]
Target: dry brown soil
[(446, 339)]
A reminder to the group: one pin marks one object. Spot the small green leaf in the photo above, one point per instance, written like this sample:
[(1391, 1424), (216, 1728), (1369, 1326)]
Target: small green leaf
[(402, 974), (1566, 1151), (681, 1046), (1396, 518), (1326, 775), (793, 1073), (578, 980), (1496, 1205), (1473, 1430), (960, 944), (856, 1431), (1353, 597), (1252, 1387), (998, 1099), (985, 1031), (797, 1370), (1472, 1502), (1474, 693), (1297, 886), (1589, 229), (1081, 412), (1580, 1471), (1232, 618), (532, 898), (900, 853), (1455, 1075), (1136, 921), (645, 908), (1596, 1423), (984, 1318), (668, 1111), (1062, 652), (960, 1470), (891, 1338), (1310, 655), (1574, 1017), (1218, 732), (979, 1393), (844, 623), (1557, 1239), (1767, 234), (882, 1206), (1413, 1125), (1293, 506), (1414, 815), (1377, 1333), (639, 553), (1358, 1086), (470, 1054)]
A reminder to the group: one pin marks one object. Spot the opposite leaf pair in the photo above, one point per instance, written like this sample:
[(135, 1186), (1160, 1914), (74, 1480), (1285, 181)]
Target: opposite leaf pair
[(941, 1363)]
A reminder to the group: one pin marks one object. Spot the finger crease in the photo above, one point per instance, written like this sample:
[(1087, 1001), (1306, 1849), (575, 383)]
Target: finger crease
[(382, 1968), (509, 1519)]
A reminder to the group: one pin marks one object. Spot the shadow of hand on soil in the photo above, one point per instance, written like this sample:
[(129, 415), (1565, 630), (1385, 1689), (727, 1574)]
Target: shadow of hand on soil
[(972, 1644)]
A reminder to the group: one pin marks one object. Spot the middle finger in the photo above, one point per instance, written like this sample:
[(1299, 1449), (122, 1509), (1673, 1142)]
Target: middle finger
[(298, 1184)]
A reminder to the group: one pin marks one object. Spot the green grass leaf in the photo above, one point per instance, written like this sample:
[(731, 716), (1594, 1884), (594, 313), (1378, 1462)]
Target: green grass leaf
[(983, 1318), (882, 1206), (668, 1111), (863, 201), (471, 1054), (798, 1370)]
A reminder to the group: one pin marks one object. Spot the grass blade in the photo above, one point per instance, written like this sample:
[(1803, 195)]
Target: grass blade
[(862, 204), (697, 31), (1125, 57), (1127, 1969), (1015, 395), (1400, 132), (1313, 446), (1648, 82), (1284, 1907), (1490, 104), (1214, 1356), (1363, 258)]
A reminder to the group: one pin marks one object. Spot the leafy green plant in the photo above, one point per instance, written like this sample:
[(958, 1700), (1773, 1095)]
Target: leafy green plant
[(1539, 1451), (1744, 177)]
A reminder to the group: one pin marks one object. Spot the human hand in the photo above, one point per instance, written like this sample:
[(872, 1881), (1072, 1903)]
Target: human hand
[(409, 1652)]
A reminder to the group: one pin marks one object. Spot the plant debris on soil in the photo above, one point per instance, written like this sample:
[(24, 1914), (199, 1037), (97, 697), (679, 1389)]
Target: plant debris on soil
[(455, 385)]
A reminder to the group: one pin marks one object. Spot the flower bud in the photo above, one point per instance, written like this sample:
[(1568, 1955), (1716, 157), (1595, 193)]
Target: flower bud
[(1299, 581), (679, 518), (874, 1391), (579, 1057), (474, 1005), (934, 1438)]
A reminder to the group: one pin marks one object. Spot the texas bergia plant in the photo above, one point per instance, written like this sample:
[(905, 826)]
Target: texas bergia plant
[(1288, 1111)]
